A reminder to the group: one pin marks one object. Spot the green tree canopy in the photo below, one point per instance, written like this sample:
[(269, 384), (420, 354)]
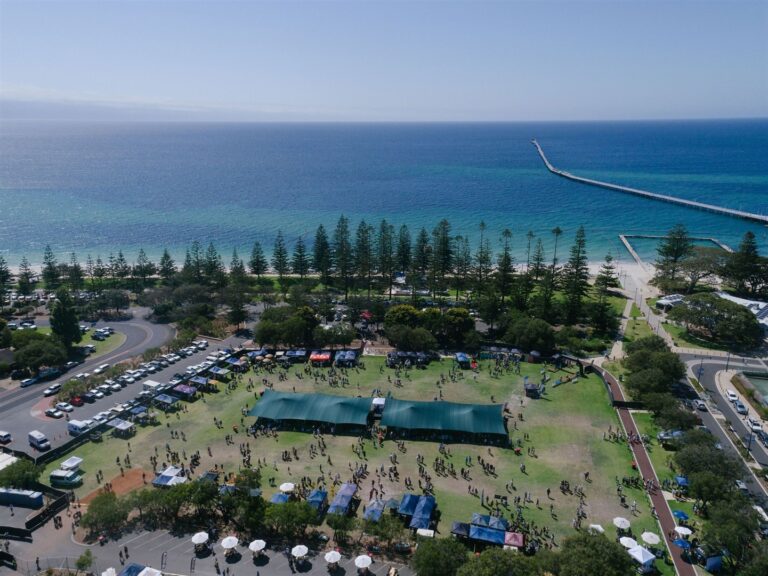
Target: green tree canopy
[(440, 557), (592, 554), (64, 322)]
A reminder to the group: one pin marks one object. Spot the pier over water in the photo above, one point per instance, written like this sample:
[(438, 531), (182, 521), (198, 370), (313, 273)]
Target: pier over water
[(652, 195)]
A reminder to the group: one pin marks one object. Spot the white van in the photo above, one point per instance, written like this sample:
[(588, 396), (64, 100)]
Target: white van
[(77, 427), (5, 437), (39, 440)]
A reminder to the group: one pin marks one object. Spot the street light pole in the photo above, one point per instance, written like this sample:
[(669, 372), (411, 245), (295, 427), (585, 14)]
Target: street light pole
[(727, 360)]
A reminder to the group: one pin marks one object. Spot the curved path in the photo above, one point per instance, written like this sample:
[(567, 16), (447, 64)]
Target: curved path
[(663, 511), (140, 335)]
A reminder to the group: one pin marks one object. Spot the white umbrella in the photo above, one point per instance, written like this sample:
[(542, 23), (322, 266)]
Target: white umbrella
[(596, 528), (628, 542), (299, 551), (229, 542), (683, 530), (257, 546), (109, 572), (200, 538), (363, 561), (642, 555), (620, 522), (650, 538), (332, 557), (148, 571), (287, 487)]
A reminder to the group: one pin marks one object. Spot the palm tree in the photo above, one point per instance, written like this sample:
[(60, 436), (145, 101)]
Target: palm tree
[(557, 232), (529, 236)]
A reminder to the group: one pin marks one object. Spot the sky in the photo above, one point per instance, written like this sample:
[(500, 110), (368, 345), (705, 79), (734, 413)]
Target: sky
[(383, 61)]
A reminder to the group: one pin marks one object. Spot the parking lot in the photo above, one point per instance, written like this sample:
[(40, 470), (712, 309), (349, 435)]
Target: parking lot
[(32, 415)]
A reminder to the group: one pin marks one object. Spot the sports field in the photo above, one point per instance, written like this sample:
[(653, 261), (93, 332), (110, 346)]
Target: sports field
[(565, 429)]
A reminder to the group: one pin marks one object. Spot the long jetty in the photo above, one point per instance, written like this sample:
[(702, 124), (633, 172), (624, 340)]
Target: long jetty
[(652, 195)]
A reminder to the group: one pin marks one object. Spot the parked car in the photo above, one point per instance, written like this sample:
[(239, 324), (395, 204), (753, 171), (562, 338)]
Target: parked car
[(28, 382), (97, 393), (54, 413), (754, 425), (52, 389), (700, 405), (740, 408), (64, 406), (731, 395), (77, 401)]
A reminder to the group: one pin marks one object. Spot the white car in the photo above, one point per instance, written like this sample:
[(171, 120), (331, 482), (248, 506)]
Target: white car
[(732, 397), (100, 418), (64, 406), (98, 393), (754, 425), (52, 389), (101, 369)]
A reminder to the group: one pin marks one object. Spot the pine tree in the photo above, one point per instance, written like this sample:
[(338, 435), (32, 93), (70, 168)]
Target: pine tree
[(5, 279), (144, 268), (462, 264), (537, 262), (167, 267), (50, 269), (194, 263), (99, 273), (237, 275), (557, 232), (363, 255), (385, 253), (673, 249), (300, 260), (258, 262), (342, 253), (576, 277), (403, 252), (75, 273), (442, 256), (25, 277), (422, 256), (213, 267), (505, 267), (120, 269), (321, 255), (745, 268), (280, 257), (606, 278), (64, 323), (530, 235), (482, 260)]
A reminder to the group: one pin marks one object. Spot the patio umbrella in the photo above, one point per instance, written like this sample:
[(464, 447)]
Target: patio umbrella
[(200, 538), (287, 487), (229, 542), (680, 543), (620, 522), (149, 571), (596, 528), (257, 546), (269, 356), (299, 551), (628, 542), (680, 515), (683, 530), (109, 572), (332, 557), (650, 538), (642, 555), (363, 561)]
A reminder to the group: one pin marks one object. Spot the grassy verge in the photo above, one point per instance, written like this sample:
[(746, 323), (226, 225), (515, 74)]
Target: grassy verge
[(683, 338), (637, 327)]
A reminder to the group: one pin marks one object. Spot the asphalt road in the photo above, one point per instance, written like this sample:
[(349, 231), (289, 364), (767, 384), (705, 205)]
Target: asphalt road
[(705, 370), (21, 409)]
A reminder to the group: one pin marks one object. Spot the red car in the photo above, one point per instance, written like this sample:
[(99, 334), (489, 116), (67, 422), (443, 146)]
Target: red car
[(77, 401)]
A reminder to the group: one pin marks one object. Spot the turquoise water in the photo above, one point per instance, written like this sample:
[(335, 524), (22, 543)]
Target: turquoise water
[(761, 384), (102, 187)]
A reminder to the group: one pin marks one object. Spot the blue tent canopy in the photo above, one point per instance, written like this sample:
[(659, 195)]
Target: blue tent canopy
[(460, 529), (343, 499), (219, 371), (136, 410), (487, 534), (408, 504), (132, 569), (461, 358), (279, 498), (487, 521), (317, 498), (681, 480), (227, 489), (199, 380), (165, 399), (423, 513), (374, 510)]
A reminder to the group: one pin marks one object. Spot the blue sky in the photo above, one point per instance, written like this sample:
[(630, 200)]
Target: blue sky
[(384, 61)]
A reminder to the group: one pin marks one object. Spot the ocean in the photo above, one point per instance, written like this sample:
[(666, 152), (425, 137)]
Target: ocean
[(103, 187)]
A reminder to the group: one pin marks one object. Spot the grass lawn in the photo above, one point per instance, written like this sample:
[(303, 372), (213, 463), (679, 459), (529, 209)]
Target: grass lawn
[(637, 327), (102, 346), (565, 428), (685, 339)]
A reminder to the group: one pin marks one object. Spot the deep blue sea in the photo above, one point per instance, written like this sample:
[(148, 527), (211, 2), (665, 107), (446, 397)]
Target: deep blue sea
[(97, 188)]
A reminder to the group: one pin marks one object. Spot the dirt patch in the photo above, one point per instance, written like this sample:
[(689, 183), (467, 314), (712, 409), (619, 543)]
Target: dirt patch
[(122, 484)]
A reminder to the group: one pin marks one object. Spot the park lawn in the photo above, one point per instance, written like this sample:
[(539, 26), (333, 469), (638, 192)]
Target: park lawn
[(102, 346), (565, 428), (683, 338), (660, 456), (637, 327)]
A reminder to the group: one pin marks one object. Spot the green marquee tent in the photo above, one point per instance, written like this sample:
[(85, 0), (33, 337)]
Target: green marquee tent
[(312, 408), (444, 416)]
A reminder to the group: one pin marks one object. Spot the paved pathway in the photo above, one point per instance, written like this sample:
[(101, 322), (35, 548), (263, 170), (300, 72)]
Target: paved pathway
[(663, 511)]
